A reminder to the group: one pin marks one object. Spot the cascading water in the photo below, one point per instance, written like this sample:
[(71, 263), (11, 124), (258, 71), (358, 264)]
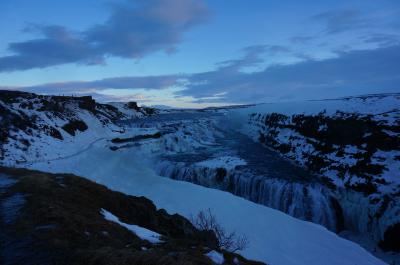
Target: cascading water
[(311, 202)]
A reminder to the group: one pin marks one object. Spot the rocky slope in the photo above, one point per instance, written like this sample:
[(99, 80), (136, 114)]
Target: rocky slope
[(37, 127), (353, 145), (60, 219)]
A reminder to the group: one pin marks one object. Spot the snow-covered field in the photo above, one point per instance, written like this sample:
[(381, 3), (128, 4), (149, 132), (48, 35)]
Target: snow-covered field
[(275, 237)]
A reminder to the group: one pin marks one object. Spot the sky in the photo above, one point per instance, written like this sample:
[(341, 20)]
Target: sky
[(198, 53)]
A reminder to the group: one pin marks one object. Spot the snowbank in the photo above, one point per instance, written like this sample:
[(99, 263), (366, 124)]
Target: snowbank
[(141, 232)]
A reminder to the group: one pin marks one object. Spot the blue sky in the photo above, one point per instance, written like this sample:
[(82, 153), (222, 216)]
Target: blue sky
[(199, 53)]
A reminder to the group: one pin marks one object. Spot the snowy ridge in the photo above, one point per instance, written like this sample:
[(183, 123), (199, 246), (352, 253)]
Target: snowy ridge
[(378, 105), (38, 128), (353, 144)]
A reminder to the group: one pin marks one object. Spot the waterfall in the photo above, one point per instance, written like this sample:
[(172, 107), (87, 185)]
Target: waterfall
[(306, 201)]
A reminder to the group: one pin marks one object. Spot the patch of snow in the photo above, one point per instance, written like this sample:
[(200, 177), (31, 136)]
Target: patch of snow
[(390, 133), (141, 232), (390, 159), (351, 149), (216, 257)]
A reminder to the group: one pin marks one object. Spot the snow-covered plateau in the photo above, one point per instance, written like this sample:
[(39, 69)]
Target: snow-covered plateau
[(295, 178)]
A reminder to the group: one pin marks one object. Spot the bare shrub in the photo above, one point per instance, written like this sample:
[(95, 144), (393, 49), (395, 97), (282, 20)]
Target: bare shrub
[(206, 220)]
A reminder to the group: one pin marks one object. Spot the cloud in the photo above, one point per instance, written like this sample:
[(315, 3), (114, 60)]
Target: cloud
[(130, 82), (253, 56), (382, 39), (352, 72), (58, 46), (349, 73), (338, 21), (145, 26), (134, 29)]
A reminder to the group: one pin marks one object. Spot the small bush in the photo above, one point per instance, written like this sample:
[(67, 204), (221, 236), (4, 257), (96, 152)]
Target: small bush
[(206, 220)]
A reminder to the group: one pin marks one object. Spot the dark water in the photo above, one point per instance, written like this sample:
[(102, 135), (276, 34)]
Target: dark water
[(261, 160)]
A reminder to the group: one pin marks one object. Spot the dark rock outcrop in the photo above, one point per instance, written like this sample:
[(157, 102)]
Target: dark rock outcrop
[(75, 125), (136, 138), (391, 240)]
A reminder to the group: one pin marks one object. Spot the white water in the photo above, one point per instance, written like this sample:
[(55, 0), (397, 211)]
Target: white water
[(311, 202)]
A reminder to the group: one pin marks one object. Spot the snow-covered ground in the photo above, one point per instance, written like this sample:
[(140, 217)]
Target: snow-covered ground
[(141, 232), (274, 237)]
